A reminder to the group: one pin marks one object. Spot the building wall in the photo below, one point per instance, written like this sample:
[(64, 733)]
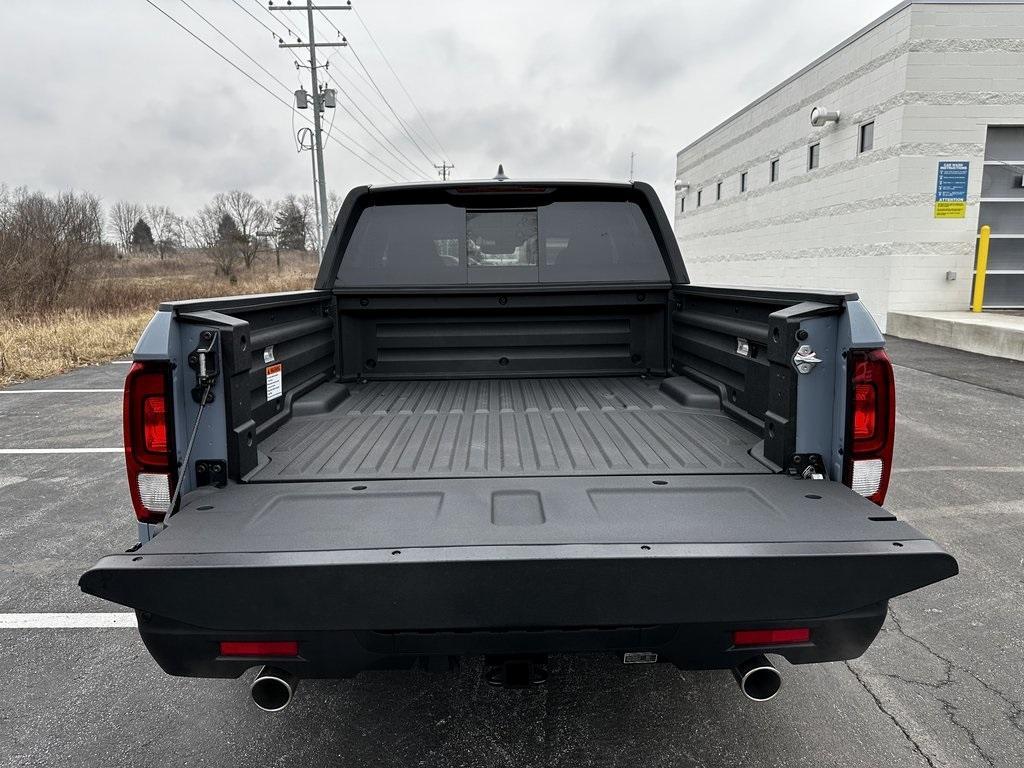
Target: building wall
[(932, 77)]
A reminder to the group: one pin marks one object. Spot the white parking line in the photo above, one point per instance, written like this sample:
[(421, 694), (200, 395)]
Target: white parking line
[(121, 362), (55, 391), (66, 620), (38, 451)]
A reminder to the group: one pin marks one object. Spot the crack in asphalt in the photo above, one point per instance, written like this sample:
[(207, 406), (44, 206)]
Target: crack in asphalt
[(1016, 710), (881, 708), (949, 708), (1016, 707)]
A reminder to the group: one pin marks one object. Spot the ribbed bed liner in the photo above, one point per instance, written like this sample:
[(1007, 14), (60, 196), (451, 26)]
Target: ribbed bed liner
[(506, 427)]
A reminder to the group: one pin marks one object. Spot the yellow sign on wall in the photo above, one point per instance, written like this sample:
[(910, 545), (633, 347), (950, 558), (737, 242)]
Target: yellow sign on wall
[(950, 209)]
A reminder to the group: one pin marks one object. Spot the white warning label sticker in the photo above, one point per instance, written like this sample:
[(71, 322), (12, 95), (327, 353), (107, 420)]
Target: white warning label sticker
[(639, 657), (274, 386)]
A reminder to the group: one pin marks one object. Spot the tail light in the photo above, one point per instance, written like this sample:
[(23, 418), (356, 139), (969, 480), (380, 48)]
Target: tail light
[(149, 439), (871, 423)]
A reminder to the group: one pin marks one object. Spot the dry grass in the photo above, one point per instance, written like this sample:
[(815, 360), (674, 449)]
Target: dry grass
[(103, 320), (32, 348)]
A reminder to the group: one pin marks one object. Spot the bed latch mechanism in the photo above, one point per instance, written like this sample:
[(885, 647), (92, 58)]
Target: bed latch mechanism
[(203, 360), (809, 466), (805, 358)]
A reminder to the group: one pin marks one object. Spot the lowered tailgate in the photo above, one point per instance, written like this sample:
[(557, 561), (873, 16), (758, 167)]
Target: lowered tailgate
[(520, 552)]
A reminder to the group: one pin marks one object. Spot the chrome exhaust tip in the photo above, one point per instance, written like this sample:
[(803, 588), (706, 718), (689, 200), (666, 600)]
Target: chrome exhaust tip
[(758, 678), (273, 689)]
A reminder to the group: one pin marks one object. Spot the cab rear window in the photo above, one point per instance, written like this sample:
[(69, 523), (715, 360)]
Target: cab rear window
[(562, 242)]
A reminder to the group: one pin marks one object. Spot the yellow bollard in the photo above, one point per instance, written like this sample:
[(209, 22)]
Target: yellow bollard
[(979, 270)]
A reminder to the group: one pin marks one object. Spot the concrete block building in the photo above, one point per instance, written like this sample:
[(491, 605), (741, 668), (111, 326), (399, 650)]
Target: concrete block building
[(887, 199)]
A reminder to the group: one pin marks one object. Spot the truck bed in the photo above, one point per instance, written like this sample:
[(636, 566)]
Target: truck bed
[(506, 428)]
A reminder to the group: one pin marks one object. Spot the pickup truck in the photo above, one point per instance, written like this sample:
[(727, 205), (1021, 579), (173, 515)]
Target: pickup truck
[(504, 424)]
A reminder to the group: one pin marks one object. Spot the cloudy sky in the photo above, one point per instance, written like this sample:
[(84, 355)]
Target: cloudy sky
[(110, 96)]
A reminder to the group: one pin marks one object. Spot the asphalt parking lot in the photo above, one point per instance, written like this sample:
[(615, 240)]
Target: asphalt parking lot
[(942, 686)]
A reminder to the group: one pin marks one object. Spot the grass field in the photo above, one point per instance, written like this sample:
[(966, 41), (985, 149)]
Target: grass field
[(102, 320)]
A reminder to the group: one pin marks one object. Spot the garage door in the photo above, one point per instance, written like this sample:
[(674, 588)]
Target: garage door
[(1002, 208)]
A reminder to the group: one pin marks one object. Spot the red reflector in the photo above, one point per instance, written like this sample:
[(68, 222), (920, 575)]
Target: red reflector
[(771, 636), (154, 424), (260, 648), (864, 410)]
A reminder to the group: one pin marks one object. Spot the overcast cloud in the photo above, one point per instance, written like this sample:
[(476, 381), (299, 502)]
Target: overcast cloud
[(113, 98)]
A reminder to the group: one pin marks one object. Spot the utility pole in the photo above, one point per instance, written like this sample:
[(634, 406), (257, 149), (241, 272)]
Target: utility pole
[(301, 136), (444, 170), (320, 100), (632, 157)]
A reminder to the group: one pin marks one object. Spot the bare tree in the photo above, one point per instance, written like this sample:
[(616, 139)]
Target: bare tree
[(47, 246), (250, 216), (123, 216), (334, 203), (162, 222), (310, 212), (203, 232)]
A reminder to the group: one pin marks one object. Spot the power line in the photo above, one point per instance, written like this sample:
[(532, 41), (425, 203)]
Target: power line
[(261, 85), (401, 84), (283, 85), (289, 30), (276, 35), (370, 100), (388, 103), (367, 151), (249, 13), (369, 121), (237, 47)]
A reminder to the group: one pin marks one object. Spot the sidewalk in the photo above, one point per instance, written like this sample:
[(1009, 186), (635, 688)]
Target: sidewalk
[(999, 334)]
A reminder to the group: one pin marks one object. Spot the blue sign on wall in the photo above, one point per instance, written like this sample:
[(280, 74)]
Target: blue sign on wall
[(951, 189)]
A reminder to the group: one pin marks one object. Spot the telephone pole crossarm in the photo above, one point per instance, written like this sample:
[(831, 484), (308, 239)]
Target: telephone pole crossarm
[(273, 7), (341, 44)]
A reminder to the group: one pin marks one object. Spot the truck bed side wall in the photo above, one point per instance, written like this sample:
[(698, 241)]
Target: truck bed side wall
[(294, 330), (741, 342)]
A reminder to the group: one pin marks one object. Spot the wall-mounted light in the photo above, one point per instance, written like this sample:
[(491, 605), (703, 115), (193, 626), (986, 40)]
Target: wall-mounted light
[(820, 116)]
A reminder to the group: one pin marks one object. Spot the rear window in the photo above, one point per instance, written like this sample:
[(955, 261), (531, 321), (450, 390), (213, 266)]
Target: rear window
[(563, 242)]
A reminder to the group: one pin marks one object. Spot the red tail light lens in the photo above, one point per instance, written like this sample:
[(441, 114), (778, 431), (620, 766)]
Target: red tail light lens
[(154, 424), (260, 648), (872, 423), (786, 636), (863, 411), (149, 439)]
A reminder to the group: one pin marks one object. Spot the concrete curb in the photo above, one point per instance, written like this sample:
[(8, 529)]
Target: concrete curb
[(984, 333)]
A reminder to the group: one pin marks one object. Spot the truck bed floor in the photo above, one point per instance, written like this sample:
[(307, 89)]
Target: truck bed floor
[(506, 427)]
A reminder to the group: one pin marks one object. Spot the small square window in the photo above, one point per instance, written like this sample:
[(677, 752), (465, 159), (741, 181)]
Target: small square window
[(718, 191), (867, 137), (813, 156), (743, 182), (773, 170), (700, 194)]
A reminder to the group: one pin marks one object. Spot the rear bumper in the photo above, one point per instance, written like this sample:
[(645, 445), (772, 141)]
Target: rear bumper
[(191, 651), (361, 609)]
